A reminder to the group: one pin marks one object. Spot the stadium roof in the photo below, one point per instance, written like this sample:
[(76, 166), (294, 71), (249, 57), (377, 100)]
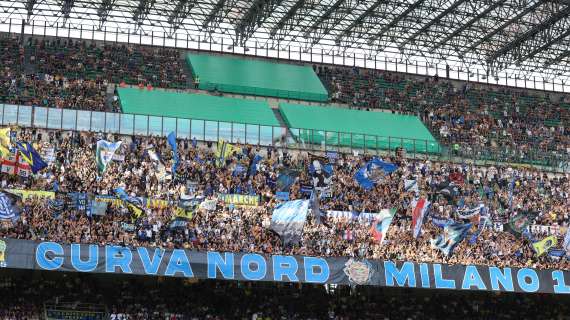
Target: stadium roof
[(501, 37)]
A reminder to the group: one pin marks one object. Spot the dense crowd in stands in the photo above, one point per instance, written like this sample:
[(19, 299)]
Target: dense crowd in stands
[(473, 119), (72, 74), (171, 299), (504, 191)]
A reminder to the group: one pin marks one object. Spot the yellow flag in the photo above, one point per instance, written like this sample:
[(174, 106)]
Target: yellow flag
[(542, 246), (224, 150), (5, 142), (183, 213), (136, 212)]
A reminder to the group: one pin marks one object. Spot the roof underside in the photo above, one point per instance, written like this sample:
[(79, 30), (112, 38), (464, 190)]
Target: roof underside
[(518, 36)]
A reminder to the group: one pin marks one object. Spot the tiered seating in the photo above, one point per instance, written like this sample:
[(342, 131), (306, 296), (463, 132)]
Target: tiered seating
[(500, 124), (159, 67)]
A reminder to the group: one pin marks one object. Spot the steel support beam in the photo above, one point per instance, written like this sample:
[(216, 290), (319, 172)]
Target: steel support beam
[(545, 46), (213, 13), (66, 7), (468, 24), (290, 15), (255, 16), (323, 18), (394, 22), (141, 12), (103, 11), (358, 21), (502, 27), (178, 14), (520, 40), (433, 21), (30, 8), (557, 59)]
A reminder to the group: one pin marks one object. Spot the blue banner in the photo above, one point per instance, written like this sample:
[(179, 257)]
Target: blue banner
[(286, 179), (112, 259)]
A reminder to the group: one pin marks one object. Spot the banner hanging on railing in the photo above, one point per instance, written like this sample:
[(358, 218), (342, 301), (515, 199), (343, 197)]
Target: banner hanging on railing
[(51, 256)]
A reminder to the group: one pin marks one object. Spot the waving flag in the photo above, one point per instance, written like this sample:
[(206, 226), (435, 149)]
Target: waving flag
[(373, 172), (223, 151), (420, 209), (483, 222), (541, 247), (175, 159), (183, 211), (518, 224), (9, 210), (289, 218), (105, 152), (14, 164), (286, 179), (133, 204), (5, 144), (566, 243), (321, 171), (31, 156), (411, 186), (452, 235), (469, 213), (381, 224), (319, 215), (159, 168), (252, 171)]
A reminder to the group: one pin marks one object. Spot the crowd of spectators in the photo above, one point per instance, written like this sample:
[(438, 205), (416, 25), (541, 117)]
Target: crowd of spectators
[(171, 299), (72, 74), (473, 119), (112, 62), (504, 191)]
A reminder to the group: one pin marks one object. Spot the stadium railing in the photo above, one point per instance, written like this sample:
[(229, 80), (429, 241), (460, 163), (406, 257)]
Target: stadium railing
[(292, 138)]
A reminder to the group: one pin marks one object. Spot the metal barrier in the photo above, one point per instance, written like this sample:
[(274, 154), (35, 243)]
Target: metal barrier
[(292, 138), (206, 130)]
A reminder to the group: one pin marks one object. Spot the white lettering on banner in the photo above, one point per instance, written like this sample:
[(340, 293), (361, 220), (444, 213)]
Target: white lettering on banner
[(549, 230), (347, 215)]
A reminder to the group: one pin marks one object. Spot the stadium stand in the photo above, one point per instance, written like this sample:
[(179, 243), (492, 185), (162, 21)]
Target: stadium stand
[(477, 120), (133, 64), (471, 121), (496, 194), (359, 129), (196, 106), (166, 178), (256, 77), (354, 190)]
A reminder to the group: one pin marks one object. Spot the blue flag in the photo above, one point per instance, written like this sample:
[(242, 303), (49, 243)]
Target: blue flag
[(289, 218), (174, 146), (133, 204), (8, 206), (452, 235), (282, 195), (253, 165), (286, 179), (31, 156), (373, 172)]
